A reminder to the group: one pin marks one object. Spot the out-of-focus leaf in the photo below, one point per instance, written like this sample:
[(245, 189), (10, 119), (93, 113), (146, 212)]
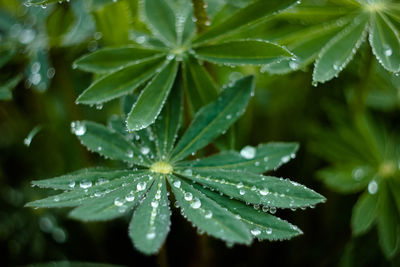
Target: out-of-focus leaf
[(364, 213), (8, 86)]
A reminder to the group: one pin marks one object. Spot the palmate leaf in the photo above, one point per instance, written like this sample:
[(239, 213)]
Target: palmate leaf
[(152, 98), (151, 220), (215, 118), (243, 52), (103, 194)]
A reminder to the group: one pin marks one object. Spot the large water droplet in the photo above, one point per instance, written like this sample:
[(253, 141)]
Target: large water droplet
[(373, 187), (118, 202), (71, 184), (78, 128), (145, 150), (154, 204), (177, 184), (85, 184), (268, 231), (255, 231), (151, 235), (264, 191), (196, 203), (208, 214), (248, 152), (188, 196), (141, 186), (130, 197)]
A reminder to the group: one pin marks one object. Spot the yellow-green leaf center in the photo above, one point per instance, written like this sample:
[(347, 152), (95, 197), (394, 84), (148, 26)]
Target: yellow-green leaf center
[(161, 167)]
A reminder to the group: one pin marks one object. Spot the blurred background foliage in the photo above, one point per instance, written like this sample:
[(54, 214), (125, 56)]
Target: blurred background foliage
[(348, 129)]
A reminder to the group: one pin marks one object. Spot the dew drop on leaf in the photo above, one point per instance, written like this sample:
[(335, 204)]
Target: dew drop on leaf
[(85, 184), (188, 196), (372, 187), (196, 203), (208, 214), (130, 197), (177, 184), (141, 186), (255, 231), (118, 202), (145, 150), (248, 152)]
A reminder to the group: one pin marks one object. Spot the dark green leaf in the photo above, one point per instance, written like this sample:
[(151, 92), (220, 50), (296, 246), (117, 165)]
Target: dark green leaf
[(151, 221), (111, 59), (120, 82), (8, 86), (152, 98), (243, 52), (215, 118), (207, 214), (364, 213)]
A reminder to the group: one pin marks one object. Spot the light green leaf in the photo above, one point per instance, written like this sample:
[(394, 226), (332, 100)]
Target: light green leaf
[(40, 2), (72, 180), (346, 179), (86, 190), (151, 221), (256, 189), (215, 118), (338, 52), (243, 52), (385, 42), (207, 214), (364, 213), (114, 204), (111, 59), (120, 82), (253, 13), (161, 19), (388, 222), (199, 85), (152, 98), (261, 224), (185, 26), (100, 139), (165, 130), (263, 158)]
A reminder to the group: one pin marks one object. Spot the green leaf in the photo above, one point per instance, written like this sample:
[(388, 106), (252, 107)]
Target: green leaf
[(207, 214), (256, 189), (120, 82), (346, 179), (88, 190), (100, 139), (8, 86), (385, 42), (338, 52), (72, 180), (161, 19), (261, 224), (111, 59), (364, 213), (6, 54), (165, 130), (151, 221), (215, 118), (145, 111), (243, 52), (388, 222), (263, 158), (199, 85), (114, 204), (253, 13), (185, 26), (40, 2)]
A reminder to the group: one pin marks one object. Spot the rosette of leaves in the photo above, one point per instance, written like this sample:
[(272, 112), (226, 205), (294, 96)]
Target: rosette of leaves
[(154, 62), (365, 160), (342, 27), (211, 192)]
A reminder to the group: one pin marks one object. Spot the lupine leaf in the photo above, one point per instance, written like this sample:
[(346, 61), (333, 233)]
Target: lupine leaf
[(72, 180), (266, 157), (215, 118), (243, 52), (364, 213), (102, 140), (247, 16), (256, 189), (87, 190), (185, 26), (8, 86), (120, 82), (115, 203), (199, 86), (385, 42), (151, 221), (150, 102), (261, 224), (111, 59), (207, 214), (165, 131), (338, 52), (388, 222), (161, 19)]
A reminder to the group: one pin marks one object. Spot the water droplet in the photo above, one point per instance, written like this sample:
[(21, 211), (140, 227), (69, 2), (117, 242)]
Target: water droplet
[(241, 192), (358, 174), (35, 67), (130, 197), (97, 194), (208, 214), (268, 231), (71, 184), (239, 185), (293, 64), (50, 73), (188, 196), (177, 184), (129, 154), (154, 204), (78, 128), (272, 210), (188, 172), (248, 152), (85, 184), (151, 235), (118, 202), (170, 56), (264, 192), (388, 50), (373, 187), (196, 203), (229, 116), (145, 150), (141, 186), (285, 159), (255, 232)]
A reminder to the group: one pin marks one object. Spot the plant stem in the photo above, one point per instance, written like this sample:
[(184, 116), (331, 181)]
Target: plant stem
[(200, 13)]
